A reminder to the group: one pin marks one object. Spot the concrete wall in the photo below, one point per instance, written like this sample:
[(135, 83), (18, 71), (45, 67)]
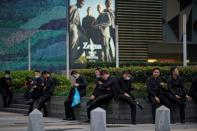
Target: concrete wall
[(116, 112)]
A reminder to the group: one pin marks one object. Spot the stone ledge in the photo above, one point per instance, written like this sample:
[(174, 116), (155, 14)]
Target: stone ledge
[(117, 113)]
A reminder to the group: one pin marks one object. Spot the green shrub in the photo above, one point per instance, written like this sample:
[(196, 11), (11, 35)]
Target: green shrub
[(63, 85), (140, 75), (18, 77), (18, 80)]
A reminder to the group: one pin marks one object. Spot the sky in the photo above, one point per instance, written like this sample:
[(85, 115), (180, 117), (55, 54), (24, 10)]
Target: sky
[(93, 4)]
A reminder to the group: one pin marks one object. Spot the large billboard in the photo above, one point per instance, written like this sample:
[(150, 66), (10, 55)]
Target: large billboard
[(91, 31)]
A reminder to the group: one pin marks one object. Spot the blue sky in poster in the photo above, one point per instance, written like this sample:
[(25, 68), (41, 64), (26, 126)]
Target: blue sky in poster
[(93, 4)]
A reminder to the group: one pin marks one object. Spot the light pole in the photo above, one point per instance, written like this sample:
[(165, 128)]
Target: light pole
[(67, 43), (184, 40), (117, 47), (29, 54)]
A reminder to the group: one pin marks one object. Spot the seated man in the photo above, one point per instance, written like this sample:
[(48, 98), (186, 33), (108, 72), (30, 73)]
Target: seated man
[(46, 92), (177, 92), (28, 87), (80, 84), (107, 88), (156, 92), (96, 91), (34, 87), (125, 94)]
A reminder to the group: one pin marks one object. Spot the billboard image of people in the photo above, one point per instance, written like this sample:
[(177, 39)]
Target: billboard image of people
[(91, 31)]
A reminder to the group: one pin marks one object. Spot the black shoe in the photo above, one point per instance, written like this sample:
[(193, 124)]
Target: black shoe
[(134, 122), (45, 115), (66, 118), (153, 122), (172, 122), (183, 121), (26, 114), (6, 105), (87, 121), (71, 119)]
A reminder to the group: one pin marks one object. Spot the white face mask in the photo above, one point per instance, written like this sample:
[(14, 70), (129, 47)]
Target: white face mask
[(76, 76), (6, 76), (98, 76), (37, 76), (127, 78)]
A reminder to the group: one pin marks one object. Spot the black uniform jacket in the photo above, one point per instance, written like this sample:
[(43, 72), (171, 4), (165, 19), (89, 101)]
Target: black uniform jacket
[(111, 86), (125, 85), (176, 87), (5, 83), (82, 85), (154, 87), (49, 86)]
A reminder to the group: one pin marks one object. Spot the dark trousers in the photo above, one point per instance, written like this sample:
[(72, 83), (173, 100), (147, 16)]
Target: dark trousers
[(31, 106), (182, 111), (41, 104), (98, 102), (69, 110), (34, 97), (181, 104), (7, 96), (163, 101), (132, 103)]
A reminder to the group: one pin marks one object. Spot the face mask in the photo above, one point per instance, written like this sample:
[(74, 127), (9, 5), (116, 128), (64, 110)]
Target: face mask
[(37, 76), (7, 76), (98, 76), (127, 78), (75, 76)]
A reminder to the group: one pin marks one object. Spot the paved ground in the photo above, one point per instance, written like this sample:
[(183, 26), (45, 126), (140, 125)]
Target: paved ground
[(19, 122)]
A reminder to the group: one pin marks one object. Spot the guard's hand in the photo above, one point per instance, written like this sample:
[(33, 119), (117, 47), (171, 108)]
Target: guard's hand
[(178, 97), (188, 98), (157, 99), (100, 83), (108, 89), (126, 94), (162, 84), (92, 97)]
